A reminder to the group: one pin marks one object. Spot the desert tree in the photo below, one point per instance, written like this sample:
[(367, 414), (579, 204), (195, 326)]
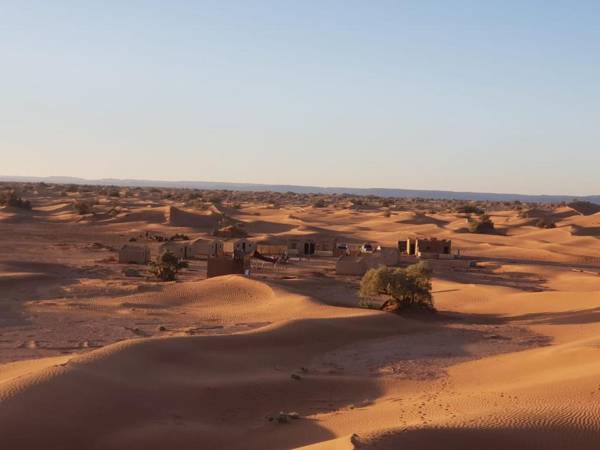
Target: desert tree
[(405, 289)]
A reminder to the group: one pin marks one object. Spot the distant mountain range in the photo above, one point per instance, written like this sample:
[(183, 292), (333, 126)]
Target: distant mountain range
[(380, 192)]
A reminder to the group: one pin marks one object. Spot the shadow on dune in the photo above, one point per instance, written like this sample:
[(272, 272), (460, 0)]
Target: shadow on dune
[(326, 290), (526, 281), (422, 219), (27, 281), (585, 231), (17, 215), (47, 268), (499, 231), (218, 391), (58, 209), (150, 217), (584, 316), (210, 391), (538, 438), (263, 226)]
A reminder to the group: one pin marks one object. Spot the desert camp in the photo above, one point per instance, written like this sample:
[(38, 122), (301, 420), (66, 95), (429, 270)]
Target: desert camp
[(306, 225)]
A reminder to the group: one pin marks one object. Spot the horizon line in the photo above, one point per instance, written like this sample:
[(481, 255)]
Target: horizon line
[(82, 180)]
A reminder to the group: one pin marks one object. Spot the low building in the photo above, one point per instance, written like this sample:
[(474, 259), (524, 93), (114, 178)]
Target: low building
[(410, 247), (271, 249), (432, 248), (403, 246), (244, 246), (226, 265), (178, 248), (272, 246), (313, 245), (389, 255), (301, 246), (341, 249), (354, 248), (134, 254), (350, 265), (206, 248), (426, 248), (326, 247), (358, 265)]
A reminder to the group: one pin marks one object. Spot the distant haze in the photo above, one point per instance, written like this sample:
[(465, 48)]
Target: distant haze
[(481, 96)]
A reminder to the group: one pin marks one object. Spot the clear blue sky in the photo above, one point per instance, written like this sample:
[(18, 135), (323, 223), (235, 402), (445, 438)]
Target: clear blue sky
[(497, 96)]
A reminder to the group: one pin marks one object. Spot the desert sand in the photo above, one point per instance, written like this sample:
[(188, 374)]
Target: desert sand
[(95, 356)]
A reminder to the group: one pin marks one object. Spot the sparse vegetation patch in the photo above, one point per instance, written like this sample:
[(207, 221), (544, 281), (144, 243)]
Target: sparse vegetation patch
[(483, 224), (12, 200)]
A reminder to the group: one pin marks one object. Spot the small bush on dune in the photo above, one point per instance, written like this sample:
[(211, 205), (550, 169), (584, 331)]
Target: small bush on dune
[(407, 289), (481, 225), (166, 266), (83, 207)]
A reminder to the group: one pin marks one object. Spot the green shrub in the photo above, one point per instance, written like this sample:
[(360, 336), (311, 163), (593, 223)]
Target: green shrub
[(166, 266), (408, 288)]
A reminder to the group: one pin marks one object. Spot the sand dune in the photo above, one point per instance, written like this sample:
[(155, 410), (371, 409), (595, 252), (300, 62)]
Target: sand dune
[(256, 227), (146, 215), (511, 361), (158, 390), (56, 208), (182, 218), (127, 378), (228, 299)]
